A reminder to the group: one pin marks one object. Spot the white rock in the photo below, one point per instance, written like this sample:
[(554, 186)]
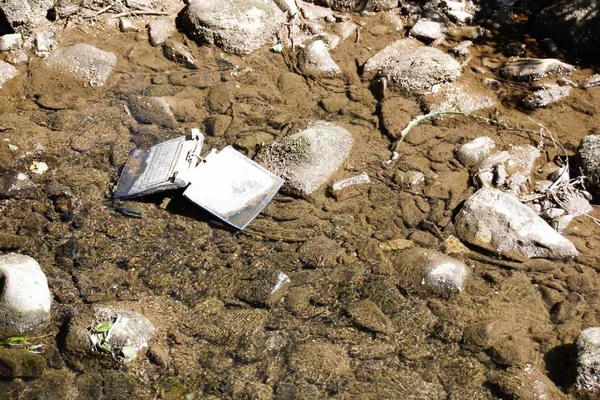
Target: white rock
[(533, 69), (287, 6), (24, 295), (444, 273), (355, 180), (308, 158), (176, 51), (126, 25), (456, 98), (427, 30), (84, 63), (547, 95), (44, 42), (236, 26), (455, 5), (460, 16), (462, 48), (17, 57), (313, 12), (160, 30), (471, 153), (499, 222), (345, 29), (7, 72), (410, 67), (588, 362), (11, 42), (592, 81), (317, 61)]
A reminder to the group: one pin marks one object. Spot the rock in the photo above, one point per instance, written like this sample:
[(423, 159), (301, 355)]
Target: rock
[(11, 42), (462, 17), (44, 43), (23, 15), (471, 153), (176, 51), (574, 24), (266, 289), (308, 158), (7, 72), (126, 25), (287, 6), (548, 94), (430, 272), (236, 26), (313, 12), (588, 154), (16, 363), (411, 67), (319, 252), (24, 296), (533, 69), (592, 81), (462, 48), (456, 99), (359, 5), (321, 363), (316, 61), (84, 63), (499, 222), (427, 31), (159, 30), (367, 315), (151, 110), (525, 382), (587, 381), (17, 57), (128, 334), (16, 185)]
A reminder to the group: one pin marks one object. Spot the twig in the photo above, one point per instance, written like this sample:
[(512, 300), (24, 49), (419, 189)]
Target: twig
[(140, 12), (102, 11)]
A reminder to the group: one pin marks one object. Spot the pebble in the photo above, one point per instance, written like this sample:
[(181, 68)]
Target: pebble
[(592, 81), (176, 51), (588, 153), (126, 25), (12, 41), (317, 61), (151, 110), (160, 30), (44, 42), (266, 289), (7, 72), (24, 296), (17, 57), (17, 185), (548, 94), (84, 63), (471, 153), (428, 31), (533, 69), (462, 17)]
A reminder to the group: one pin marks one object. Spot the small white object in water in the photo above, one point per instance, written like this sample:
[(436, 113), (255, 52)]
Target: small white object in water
[(282, 279), (355, 180), (278, 48), (38, 167)]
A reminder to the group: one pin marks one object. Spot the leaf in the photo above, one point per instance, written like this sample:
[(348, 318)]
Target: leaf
[(15, 339), (104, 327), (104, 346), (12, 147)]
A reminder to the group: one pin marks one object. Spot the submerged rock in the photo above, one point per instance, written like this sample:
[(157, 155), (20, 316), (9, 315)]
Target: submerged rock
[(17, 185), (368, 315), (308, 158), (17, 363), (266, 289), (24, 295), (176, 51), (533, 69), (547, 95), (316, 60), (471, 153), (574, 24), (588, 362), (499, 222), (589, 157), (411, 67), (7, 72), (321, 363), (151, 110), (84, 63), (236, 26)]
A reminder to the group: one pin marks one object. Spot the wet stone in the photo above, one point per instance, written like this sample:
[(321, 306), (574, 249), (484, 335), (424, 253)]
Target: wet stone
[(322, 364), (319, 252), (16, 185), (237, 27), (160, 30), (499, 222), (547, 95), (84, 63), (367, 315), (7, 72), (471, 153), (151, 110), (317, 61), (176, 51), (526, 382), (533, 69), (266, 289), (20, 364), (591, 82), (24, 296)]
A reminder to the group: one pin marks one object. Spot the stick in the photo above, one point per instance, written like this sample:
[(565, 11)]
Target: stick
[(140, 12)]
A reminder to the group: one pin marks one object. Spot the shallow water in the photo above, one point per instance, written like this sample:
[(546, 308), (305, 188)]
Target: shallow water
[(194, 278)]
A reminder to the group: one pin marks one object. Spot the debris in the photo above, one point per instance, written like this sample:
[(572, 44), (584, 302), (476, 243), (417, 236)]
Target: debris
[(355, 180), (227, 184), (38, 167)]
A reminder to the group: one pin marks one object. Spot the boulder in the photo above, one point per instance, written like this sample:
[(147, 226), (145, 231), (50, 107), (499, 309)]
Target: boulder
[(548, 94), (23, 15), (500, 223), (587, 381), (236, 26), (24, 296), (533, 69), (316, 61), (7, 72), (410, 67), (308, 158), (84, 63), (588, 153), (574, 24)]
